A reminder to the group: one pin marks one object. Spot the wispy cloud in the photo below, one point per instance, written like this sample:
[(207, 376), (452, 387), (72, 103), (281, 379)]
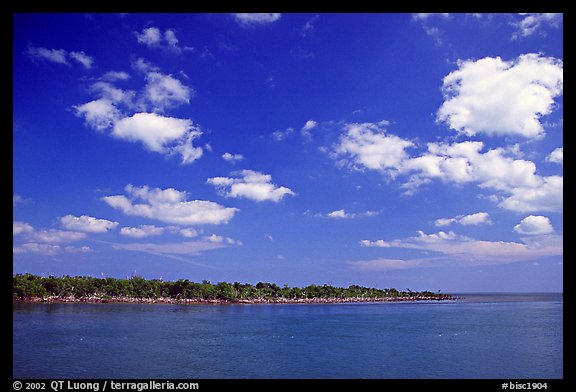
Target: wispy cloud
[(60, 56), (442, 249), (343, 214), (533, 23)]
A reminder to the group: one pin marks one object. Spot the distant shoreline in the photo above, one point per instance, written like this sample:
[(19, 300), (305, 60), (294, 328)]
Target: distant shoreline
[(85, 289), (201, 301)]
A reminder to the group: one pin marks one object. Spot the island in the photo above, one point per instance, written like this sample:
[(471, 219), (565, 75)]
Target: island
[(33, 288)]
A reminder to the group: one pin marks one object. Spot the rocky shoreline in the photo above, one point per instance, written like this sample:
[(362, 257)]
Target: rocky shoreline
[(201, 301)]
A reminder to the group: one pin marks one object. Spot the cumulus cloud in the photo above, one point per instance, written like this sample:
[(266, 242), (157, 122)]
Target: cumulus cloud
[(254, 19), (556, 156), (534, 225), (440, 249), (520, 188), (547, 196), (165, 135), (251, 185), (87, 224), (517, 185), (465, 220), (501, 98), (232, 158), (60, 56), (367, 145), (169, 205), (164, 91), (99, 114), (158, 133), (21, 227)]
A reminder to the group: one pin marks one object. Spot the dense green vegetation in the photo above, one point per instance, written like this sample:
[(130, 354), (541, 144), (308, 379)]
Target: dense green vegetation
[(27, 286)]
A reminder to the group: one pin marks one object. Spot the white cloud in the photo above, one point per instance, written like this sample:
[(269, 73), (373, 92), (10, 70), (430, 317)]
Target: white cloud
[(368, 146), (308, 126), (87, 224), (548, 196), (233, 158), (534, 225), (432, 31), (53, 55), (165, 135), (218, 239), (556, 156), (60, 56), (48, 249), (441, 249), (82, 58), (153, 37), (426, 16), (518, 187), (465, 220), (21, 227), (169, 205), (250, 185), (55, 236), (106, 90), (343, 214), (141, 231), (377, 244), (164, 91), (114, 76), (248, 20), (99, 114), (501, 98), (531, 23), (188, 232), (143, 66), (149, 36), (339, 214), (174, 250), (17, 199), (279, 135), (516, 180)]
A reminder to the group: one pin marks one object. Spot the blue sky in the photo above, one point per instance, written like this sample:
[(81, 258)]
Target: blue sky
[(420, 151)]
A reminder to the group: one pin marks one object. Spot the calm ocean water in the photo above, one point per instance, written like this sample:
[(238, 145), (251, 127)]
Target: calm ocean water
[(481, 336)]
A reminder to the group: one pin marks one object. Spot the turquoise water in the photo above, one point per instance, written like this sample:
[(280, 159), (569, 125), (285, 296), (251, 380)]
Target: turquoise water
[(481, 336)]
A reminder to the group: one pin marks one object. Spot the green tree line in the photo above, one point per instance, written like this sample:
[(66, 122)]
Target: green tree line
[(27, 286)]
